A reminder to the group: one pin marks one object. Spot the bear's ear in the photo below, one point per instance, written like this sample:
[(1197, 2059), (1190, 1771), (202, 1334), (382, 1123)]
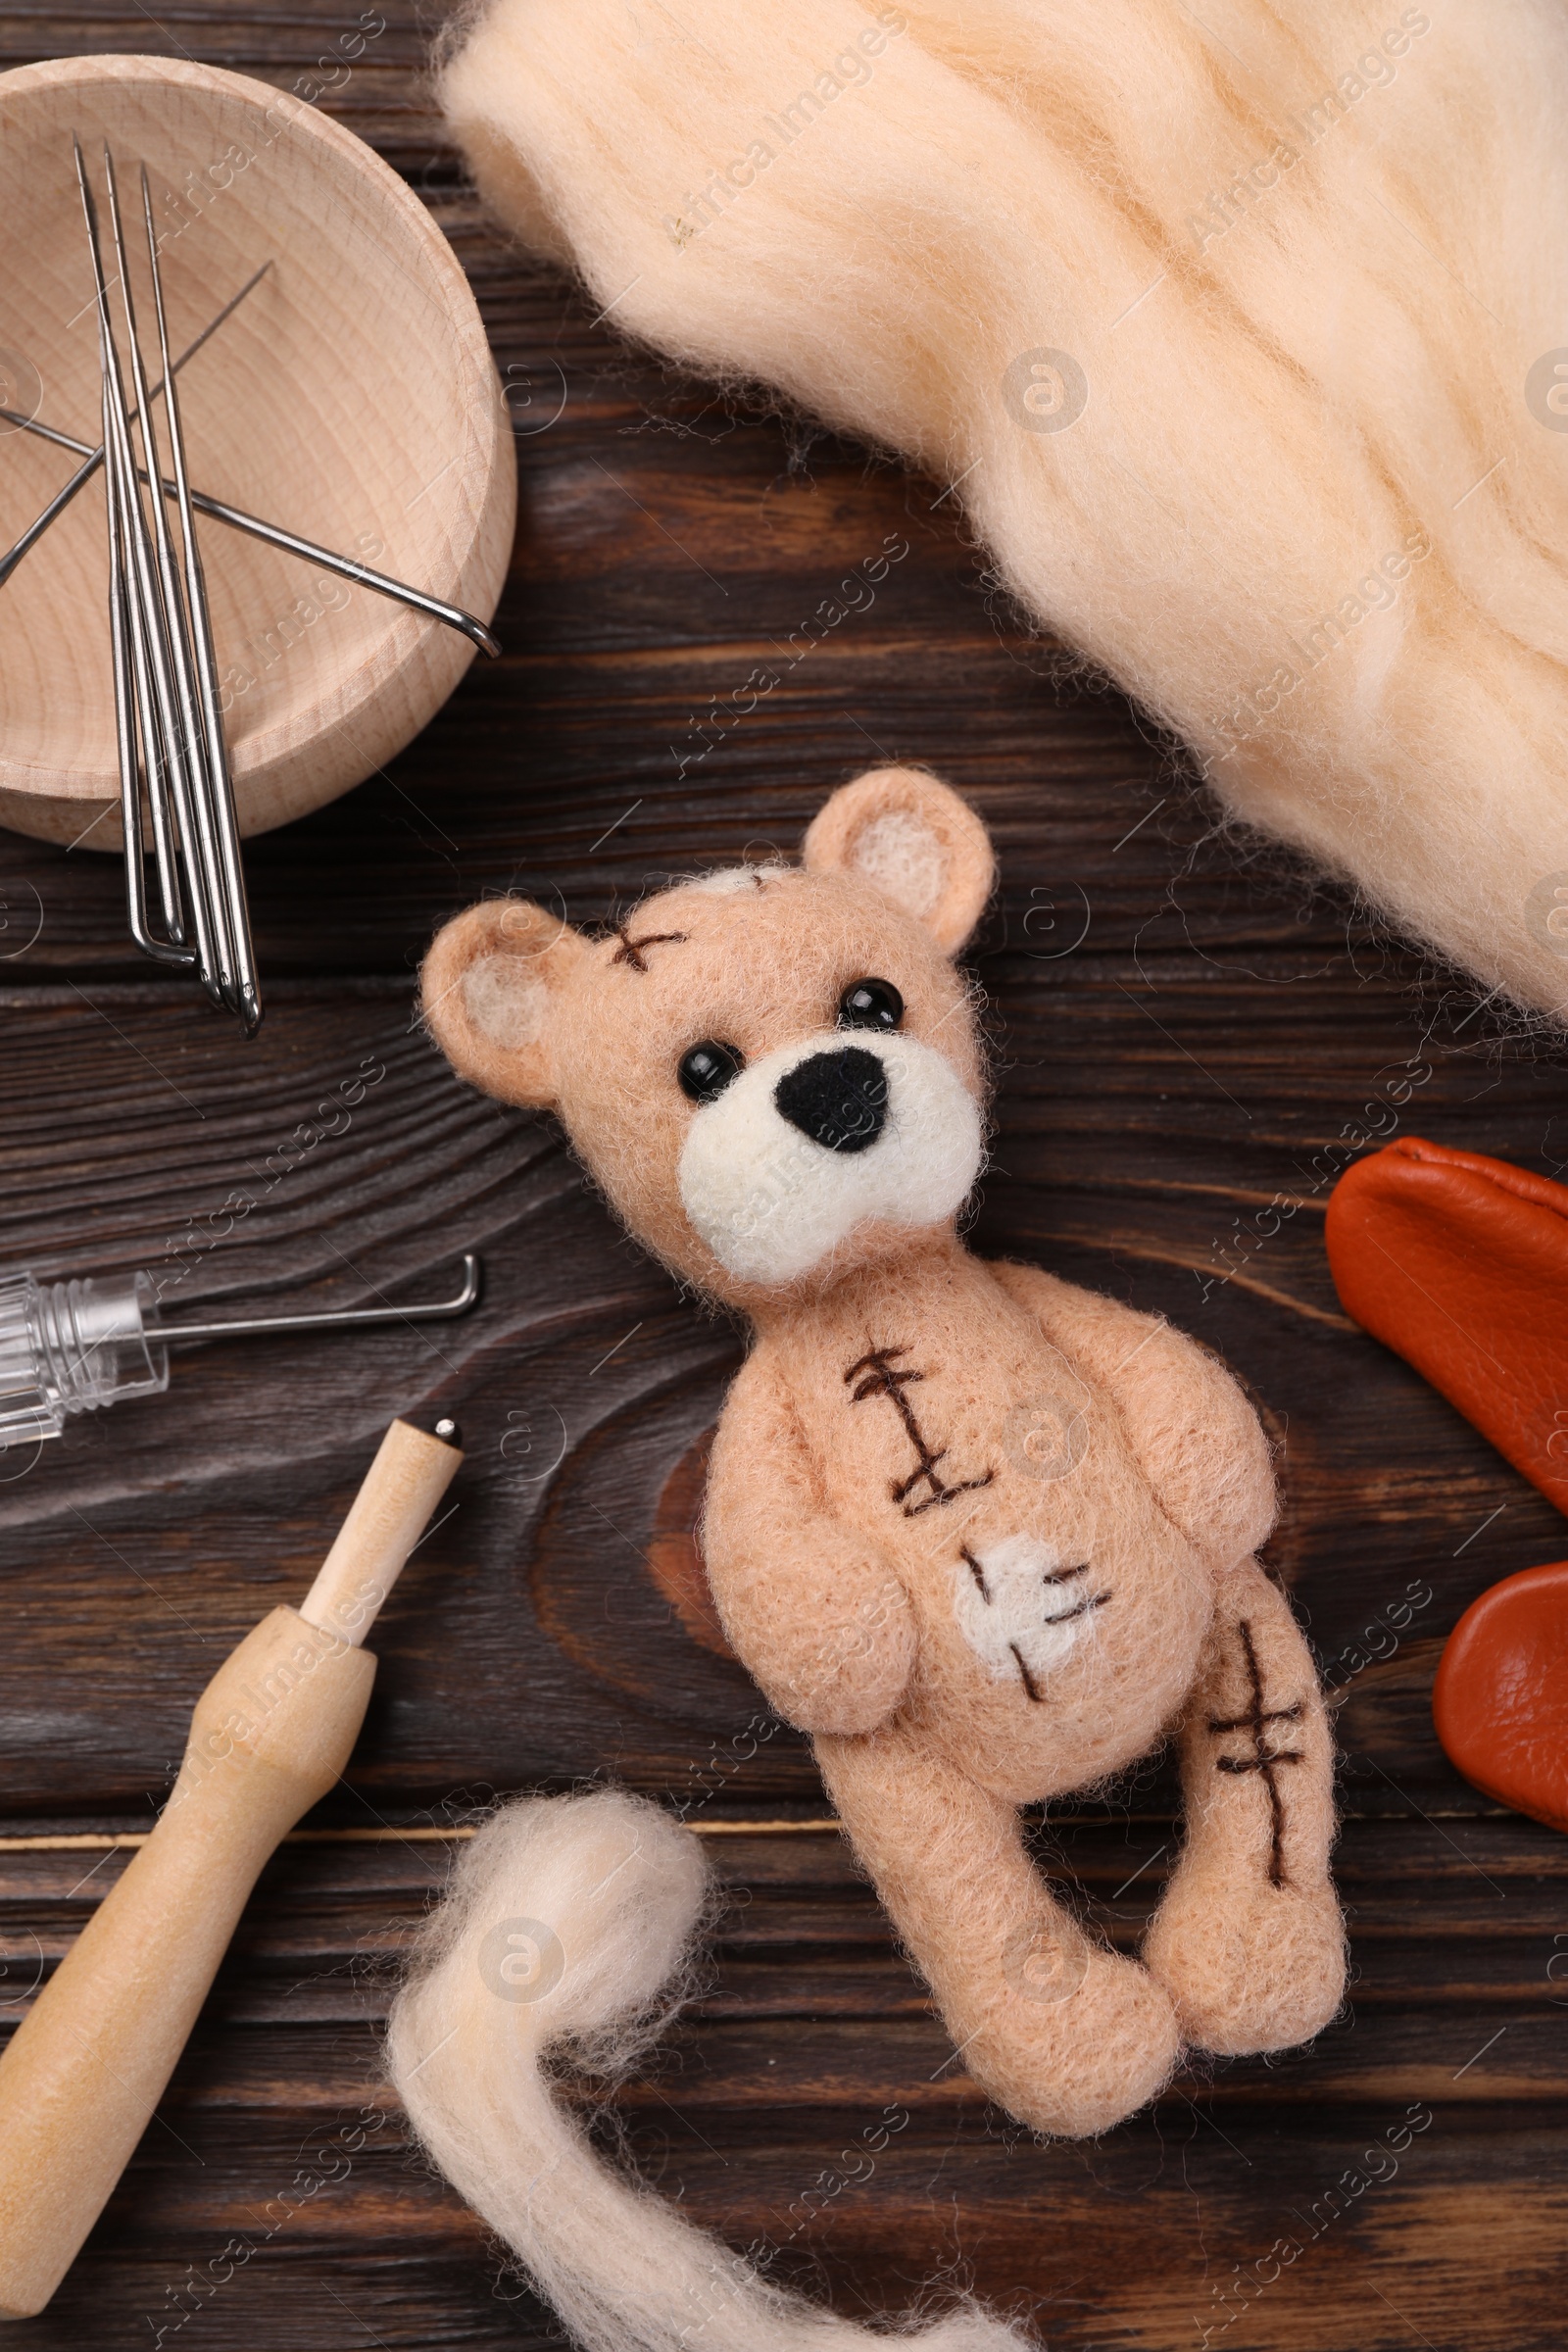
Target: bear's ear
[(488, 992), (916, 841)]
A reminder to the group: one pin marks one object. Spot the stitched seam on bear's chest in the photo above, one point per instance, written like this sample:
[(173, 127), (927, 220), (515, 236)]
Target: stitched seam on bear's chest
[(876, 1373)]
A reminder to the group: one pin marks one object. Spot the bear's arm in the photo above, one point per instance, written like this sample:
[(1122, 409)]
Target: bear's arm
[(812, 1608), (1198, 1440)]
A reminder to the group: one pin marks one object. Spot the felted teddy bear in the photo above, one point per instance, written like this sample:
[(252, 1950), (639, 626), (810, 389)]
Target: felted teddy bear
[(986, 1536)]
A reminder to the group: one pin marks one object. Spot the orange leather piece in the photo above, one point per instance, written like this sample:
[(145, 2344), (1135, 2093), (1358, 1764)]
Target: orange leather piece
[(1500, 1699), (1460, 1264)]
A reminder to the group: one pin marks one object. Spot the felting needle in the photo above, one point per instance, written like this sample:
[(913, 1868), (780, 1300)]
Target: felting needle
[(189, 749), (220, 778), (170, 949), (152, 704), (85, 472), (380, 583), (147, 620), (142, 708)]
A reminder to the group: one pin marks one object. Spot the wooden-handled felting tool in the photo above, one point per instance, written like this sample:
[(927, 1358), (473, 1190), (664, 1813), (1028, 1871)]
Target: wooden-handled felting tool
[(270, 1735)]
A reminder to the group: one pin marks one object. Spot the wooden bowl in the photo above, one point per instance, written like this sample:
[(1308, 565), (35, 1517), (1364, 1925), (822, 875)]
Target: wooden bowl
[(351, 398)]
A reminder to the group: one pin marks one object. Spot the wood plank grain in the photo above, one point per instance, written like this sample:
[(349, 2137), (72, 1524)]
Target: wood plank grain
[(759, 2111), (1189, 1039)]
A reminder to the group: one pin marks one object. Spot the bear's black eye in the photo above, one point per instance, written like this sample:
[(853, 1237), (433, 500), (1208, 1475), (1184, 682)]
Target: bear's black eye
[(706, 1069), (870, 1004)]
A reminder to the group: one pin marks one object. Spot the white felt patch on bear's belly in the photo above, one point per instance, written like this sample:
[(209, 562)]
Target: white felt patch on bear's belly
[(1023, 1607)]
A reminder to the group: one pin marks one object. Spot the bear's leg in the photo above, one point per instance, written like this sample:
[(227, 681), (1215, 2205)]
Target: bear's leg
[(1249, 1940), (1064, 2034)]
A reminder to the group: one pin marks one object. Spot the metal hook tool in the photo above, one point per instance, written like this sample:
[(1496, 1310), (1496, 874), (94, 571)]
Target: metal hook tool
[(70, 1347), (346, 1318)]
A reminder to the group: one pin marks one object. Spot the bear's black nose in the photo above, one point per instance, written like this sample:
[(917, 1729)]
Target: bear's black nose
[(839, 1100)]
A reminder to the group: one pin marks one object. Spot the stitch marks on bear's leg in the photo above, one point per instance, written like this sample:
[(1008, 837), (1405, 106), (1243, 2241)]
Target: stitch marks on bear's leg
[(881, 1380), (1265, 1757)]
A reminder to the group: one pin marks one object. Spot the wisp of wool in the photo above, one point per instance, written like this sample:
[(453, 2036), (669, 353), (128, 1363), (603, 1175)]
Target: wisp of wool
[(568, 1925), (1240, 332)]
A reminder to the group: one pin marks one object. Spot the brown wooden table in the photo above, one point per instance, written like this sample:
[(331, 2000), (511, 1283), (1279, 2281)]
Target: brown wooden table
[(1182, 1029)]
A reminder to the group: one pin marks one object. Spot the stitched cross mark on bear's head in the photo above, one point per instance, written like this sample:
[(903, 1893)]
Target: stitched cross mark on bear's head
[(630, 950)]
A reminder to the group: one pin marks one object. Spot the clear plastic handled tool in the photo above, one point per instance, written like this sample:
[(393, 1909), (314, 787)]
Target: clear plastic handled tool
[(70, 1347)]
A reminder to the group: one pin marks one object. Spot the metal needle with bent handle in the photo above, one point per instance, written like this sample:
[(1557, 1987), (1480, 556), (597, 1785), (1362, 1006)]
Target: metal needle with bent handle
[(272, 1734), (326, 559)]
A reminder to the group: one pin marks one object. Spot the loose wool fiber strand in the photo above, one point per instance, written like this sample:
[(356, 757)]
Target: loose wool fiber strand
[(1238, 338), (568, 1921)]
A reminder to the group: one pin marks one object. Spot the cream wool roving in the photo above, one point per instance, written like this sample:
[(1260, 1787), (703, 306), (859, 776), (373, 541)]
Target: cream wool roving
[(1242, 339), (986, 1538), (567, 1928)]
